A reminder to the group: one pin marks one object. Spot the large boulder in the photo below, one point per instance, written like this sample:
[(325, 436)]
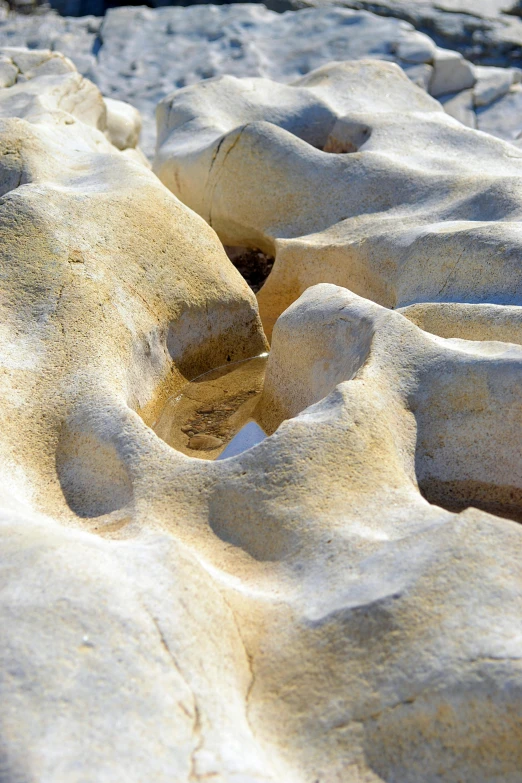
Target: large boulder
[(113, 293), (351, 175), (484, 31)]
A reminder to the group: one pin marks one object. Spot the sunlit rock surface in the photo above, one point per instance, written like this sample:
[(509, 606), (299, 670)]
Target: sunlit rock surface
[(352, 175), (139, 55), (485, 31), (331, 604)]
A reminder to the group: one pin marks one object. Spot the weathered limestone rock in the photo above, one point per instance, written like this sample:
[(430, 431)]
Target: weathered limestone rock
[(503, 115), (146, 53), (417, 209), (123, 124), (451, 73), (112, 293), (484, 31), (492, 83), (329, 336), (460, 105), (501, 323), (414, 47), (314, 608), (139, 55)]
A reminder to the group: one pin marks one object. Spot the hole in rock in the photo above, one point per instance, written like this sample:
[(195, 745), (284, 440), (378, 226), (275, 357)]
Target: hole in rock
[(214, 415), (252, 264), (346, 136)]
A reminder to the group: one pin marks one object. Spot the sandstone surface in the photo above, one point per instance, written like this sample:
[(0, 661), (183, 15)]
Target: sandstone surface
[(139, 55), (340, 602), (351, 175)]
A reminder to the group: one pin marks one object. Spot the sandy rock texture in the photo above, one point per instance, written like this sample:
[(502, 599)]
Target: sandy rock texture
[(351, 175), (112, 292), (332, 604), (139, 55)]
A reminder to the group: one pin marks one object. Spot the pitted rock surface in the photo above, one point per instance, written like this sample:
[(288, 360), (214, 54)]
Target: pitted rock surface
[(354, 176), (343, 600)]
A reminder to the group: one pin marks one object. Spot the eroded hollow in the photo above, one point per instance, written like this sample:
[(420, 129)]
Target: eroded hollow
[(215, 414), (347, 136), (93, 478), (254, 265)]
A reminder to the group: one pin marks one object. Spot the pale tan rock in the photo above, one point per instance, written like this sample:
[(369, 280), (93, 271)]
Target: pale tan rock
[(468, 321), (204, 442), (112, 294), (123, 124), (298, 612), (417, 209)]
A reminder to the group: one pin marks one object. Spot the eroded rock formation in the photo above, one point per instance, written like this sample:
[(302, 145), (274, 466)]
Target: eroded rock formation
[(319, 607), (139, 55), (354, 176)]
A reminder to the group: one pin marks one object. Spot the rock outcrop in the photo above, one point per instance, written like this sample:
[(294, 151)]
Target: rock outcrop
[(139, 55), (484, 31), (112, 292), (353, 176), (331, 604)]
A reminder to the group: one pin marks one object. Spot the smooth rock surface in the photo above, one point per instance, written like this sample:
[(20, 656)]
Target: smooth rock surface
[(504, 115), (451, 73), (147, 53), (139, 55), (112, 294), (123, 124), (460, 105), (321, 606), (491, 83), (417, 209)]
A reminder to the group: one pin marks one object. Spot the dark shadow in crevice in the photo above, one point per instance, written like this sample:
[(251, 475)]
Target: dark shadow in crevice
[(254, 265), (456, 496)]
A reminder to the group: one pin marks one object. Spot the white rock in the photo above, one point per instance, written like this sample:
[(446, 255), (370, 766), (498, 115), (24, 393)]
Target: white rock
[(420, 75), (451, 73), (8, 72), (105, 277), (416, 48), (248, 156), (460, 106), (480, 29), (142, 54), (324, 606), (484, 8), (503, 115), (491, 84), (123, 124)]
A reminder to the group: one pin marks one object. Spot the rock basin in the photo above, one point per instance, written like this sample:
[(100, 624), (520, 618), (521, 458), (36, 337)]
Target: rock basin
[(212, 409)]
